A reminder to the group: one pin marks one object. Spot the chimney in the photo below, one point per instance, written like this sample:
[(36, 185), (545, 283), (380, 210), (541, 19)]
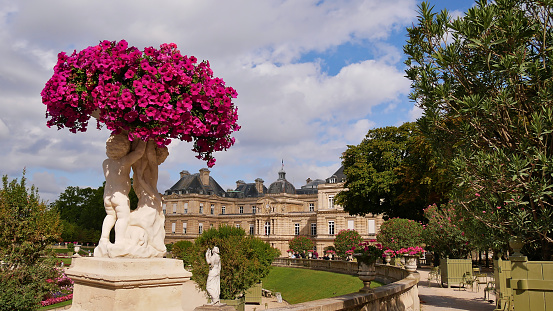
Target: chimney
[(204, 176), (239, 183), (259, 185), (184, 173)]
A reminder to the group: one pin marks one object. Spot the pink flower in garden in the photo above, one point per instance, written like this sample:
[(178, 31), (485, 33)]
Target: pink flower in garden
[(477, 194)]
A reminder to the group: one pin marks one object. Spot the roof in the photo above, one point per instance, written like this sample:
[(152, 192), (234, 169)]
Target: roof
[(337, 177), (192, 184), (247, 191)]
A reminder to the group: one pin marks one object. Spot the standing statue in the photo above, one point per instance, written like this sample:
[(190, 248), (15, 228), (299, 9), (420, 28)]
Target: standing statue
[(213, 285)]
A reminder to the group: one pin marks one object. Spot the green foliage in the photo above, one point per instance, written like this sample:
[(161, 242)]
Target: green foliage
[(27, 227), (346, 240), (443, 235), (244, 259), (302, 285), (484, 83), (397, 233), (183, 250), (301, 244), (391, 171)]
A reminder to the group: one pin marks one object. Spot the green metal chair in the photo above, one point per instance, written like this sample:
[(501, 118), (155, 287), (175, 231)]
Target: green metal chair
[(434, 275), (468, 280)]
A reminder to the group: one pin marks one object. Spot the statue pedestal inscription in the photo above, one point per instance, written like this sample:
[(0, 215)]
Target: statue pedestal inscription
[(121, 284)]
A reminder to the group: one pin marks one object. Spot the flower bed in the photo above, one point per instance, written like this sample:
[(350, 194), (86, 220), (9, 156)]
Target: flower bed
[(63, 292)]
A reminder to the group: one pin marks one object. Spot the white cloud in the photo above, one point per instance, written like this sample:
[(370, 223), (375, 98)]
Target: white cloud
[(287, 108)]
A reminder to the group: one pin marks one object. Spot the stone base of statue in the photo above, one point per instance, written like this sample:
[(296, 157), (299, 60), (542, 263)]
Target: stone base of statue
[(218, 307), (121, 284)]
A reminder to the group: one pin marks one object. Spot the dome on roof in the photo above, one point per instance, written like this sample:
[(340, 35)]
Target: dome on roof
[(281, 185)]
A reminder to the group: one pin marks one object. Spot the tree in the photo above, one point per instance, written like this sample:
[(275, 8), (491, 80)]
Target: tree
[(27, 227), (300, 244), (346, 240), (391, 171), (397, 233), (484, 83), (443, 233), (183, 250), (245, 260)]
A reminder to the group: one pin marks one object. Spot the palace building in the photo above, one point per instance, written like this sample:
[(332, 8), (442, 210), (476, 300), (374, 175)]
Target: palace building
[(275, 214)]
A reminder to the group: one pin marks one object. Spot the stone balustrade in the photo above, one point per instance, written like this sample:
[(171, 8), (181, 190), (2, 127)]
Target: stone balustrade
[(400, 291)]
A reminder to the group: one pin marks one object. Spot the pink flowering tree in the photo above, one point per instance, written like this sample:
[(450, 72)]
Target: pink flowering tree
[(346, 240), (444, 234), (397, 233), (156, 94)]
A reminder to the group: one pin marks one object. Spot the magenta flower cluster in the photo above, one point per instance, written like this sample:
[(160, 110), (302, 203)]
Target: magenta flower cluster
[(63, 292), (151, 94), (412, 251), (368, 250), (51, 301)]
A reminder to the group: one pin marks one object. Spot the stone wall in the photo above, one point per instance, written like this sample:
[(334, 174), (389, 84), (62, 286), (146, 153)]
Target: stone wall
[(399, 293)]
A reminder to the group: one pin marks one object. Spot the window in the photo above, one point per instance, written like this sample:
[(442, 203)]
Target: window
[(184, 225), (212, 209), (311, 207), (164, 208), (372, 226), (210, 226), (237, 225), (223, 209), (313, 229), (201, 208), (173, 227), (241, 209), (351, 224), (331, 227), (267, 228), (252, 229), (297, 229), (330, 201), (254, 209), (200, 228), (186, 208), (174, 208)]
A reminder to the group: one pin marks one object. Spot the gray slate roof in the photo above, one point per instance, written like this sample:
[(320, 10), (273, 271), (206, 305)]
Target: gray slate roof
[(192, 184)]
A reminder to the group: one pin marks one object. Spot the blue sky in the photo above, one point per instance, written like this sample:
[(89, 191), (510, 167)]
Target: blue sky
[(312, 77)]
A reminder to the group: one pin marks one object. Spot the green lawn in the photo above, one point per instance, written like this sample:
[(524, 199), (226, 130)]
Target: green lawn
[(57, 305), (301, 285)]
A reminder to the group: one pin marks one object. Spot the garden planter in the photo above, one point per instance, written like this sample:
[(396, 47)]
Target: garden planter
[(388, 259), (239, 303), (410, 263), (366, 271), (453, 270), (516, 243)]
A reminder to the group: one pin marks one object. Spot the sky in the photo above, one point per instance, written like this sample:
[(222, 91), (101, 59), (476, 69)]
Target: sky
[(312, 77)]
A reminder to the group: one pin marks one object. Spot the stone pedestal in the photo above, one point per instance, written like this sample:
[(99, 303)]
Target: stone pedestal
[(120, 284)]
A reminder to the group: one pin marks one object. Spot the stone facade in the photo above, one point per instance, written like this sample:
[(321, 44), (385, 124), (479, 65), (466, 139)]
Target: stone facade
[(196, 203)]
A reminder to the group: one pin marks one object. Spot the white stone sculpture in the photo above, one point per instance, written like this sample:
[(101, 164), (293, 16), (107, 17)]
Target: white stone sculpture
[(213, 285), (138, 234)]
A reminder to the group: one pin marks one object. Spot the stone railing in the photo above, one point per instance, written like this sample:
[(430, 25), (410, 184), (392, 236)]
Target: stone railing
[(399, 293)]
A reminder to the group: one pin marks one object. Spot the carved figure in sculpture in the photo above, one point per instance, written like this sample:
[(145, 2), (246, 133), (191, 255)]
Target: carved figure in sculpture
[(117, 168), (146, 227), (213, 285)]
